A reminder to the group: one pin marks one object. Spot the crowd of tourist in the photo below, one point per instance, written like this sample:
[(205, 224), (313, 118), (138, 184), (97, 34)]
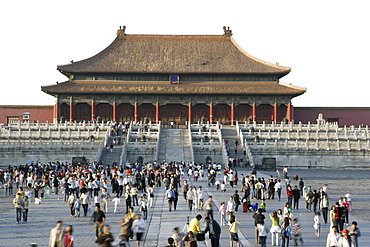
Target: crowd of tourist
[(89, 188)]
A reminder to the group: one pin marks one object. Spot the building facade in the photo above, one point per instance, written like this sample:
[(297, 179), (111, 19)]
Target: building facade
[(26, 113), (173, 78)]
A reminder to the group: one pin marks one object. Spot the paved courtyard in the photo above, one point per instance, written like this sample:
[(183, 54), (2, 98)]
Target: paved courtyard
[(161, 222)]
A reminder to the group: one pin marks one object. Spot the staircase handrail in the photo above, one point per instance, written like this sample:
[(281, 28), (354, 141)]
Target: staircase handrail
[(191, 144), (249, 154), (240, 133), (123, 155), (102, 145), (225, 157), (158, 140)]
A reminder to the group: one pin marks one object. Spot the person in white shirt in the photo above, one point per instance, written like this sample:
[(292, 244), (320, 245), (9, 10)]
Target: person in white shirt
[(278, 189), (177, 236), (71, 202), (97, 200), (117, 204), (190, 197), (140, 227), (200, 193), (230, 208), (262, 231), (150, 191), (29, 181), (195, 202), (333, 238), (201, 174)]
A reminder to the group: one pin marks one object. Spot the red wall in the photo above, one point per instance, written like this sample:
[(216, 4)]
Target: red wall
[(38, 113), (347, 115)]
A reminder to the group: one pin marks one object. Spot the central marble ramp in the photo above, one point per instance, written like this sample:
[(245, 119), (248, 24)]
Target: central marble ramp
[(174, 145)]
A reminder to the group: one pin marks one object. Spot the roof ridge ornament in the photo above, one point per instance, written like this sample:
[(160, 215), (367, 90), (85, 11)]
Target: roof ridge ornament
[(227, 32), (121, 30)]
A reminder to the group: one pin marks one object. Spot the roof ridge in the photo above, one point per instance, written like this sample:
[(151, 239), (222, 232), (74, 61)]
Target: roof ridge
[(257, 59), (292, 86)]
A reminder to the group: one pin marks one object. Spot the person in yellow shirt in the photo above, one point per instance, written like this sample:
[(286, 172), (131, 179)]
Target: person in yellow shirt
[(194, 225), (233, 229), (21, 192)]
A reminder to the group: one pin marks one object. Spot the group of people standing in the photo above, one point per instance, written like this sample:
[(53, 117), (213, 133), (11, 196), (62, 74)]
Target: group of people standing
[(86, 186)]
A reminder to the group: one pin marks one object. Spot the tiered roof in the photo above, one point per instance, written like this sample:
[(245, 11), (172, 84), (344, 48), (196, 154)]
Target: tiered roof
[(173, 54)]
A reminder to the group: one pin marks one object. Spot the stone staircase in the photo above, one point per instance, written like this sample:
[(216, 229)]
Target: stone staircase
[(230, 133), (110, 157), (174, 145)]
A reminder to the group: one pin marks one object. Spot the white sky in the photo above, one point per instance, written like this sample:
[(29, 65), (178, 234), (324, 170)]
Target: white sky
[(326, 43)]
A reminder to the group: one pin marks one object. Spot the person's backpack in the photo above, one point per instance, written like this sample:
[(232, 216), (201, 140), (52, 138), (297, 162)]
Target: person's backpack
[(284, 232)]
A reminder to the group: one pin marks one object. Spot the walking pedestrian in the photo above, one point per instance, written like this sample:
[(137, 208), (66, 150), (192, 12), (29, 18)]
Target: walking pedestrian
[(105, 196), (98, 219), (140, 227), (117, 204), (143, 203), (71, 202), (18, 204), (324, 207), (77, 207), (296, 197), (259, 218), (286, 232), (333, 238), (233, 230), (56, 238), (68, 237), (209, 205), (150, 191), (26, 205), (275, 228), (84, 202), (354, 233), (222, 212), (214, 230), (278, 188), (296, 232), (105, 238), (317, 224), (263, 231), (170, 197)]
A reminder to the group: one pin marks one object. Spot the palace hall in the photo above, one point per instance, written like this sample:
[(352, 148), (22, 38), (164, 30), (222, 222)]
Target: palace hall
[(173, 78)]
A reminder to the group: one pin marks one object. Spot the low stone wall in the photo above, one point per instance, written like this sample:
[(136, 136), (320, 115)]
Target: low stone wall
[(21, 156), (200, 157), (315, 159)]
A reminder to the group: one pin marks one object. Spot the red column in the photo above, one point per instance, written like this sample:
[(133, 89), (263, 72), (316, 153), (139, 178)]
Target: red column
[(190, 113), (71, 111), (157, 113), (93, 111), (254, 112), (136, 112), (211, 113), (232, 113), (114, 110), (275, 113), (289, 112), (56, 111)]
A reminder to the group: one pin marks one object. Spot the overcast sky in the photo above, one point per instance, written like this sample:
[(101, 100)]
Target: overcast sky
[(326, 43)]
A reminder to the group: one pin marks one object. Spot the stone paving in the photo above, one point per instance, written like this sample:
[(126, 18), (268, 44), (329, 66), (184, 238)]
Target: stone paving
[(161, 222)]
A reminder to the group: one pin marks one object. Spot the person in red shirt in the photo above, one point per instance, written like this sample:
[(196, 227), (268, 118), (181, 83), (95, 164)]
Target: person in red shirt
[(289, 194), (68, 238)]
